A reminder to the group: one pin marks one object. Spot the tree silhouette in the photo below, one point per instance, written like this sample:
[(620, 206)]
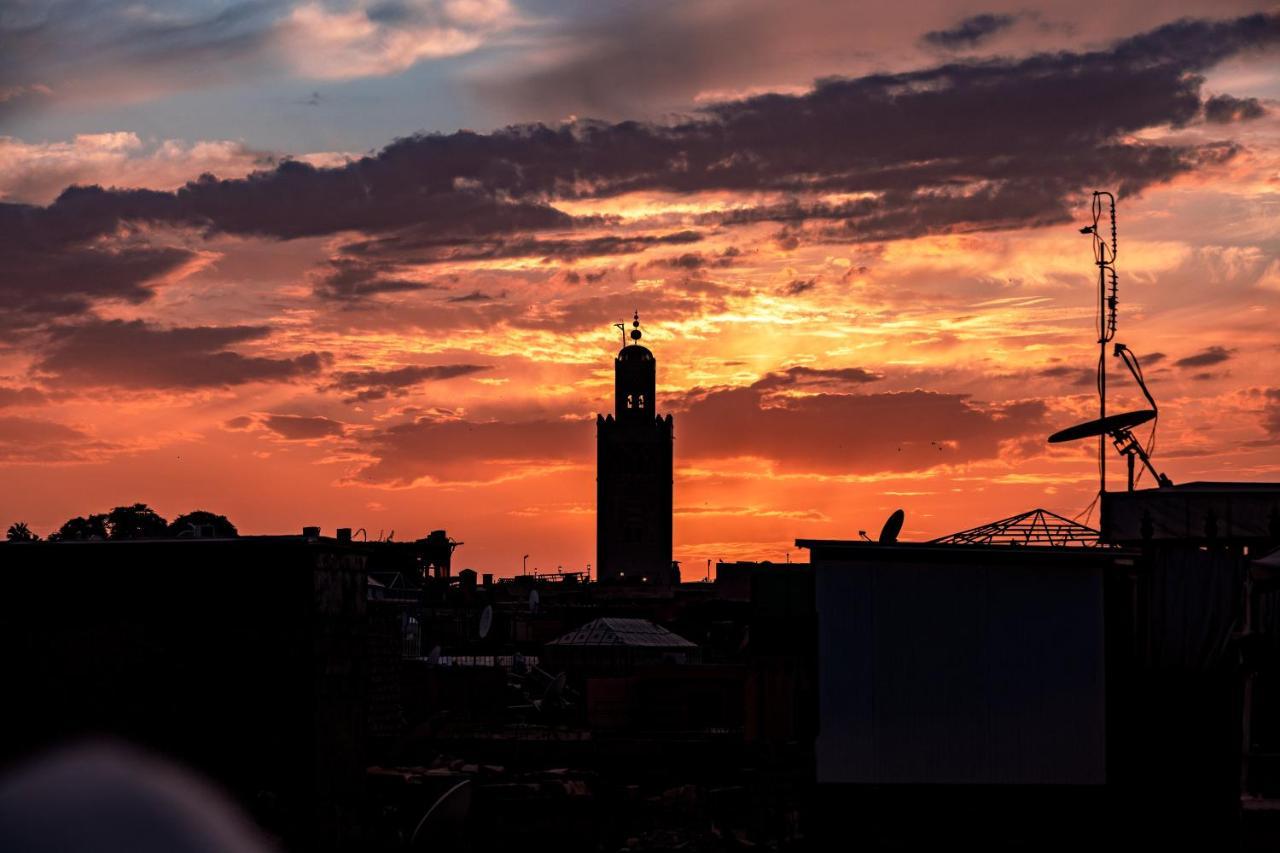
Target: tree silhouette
[(19, 532), (81, 528), (188, 523), (136, 522)]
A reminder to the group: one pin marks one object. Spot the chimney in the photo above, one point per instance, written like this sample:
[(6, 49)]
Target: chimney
[(311, 532), (487, 579), (344, 534)]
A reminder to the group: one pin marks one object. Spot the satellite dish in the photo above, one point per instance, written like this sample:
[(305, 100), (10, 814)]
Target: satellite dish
[(892, 527), (1102, 426), (443, 820), (433, 657), (486, 621), (534, 600)]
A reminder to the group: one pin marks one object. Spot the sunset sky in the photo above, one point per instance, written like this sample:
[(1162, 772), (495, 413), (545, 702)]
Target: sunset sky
[(357, 263)]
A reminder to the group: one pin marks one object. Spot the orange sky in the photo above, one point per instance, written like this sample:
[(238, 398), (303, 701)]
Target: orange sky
[(360, 374)]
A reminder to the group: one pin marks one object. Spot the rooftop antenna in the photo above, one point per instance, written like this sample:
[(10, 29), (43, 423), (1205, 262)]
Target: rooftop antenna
[(1104, 258), (1116, 427), (622, 330)]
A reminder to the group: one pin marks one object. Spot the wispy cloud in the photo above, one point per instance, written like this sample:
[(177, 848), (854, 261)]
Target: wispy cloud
[(970, 32), (128, 52)]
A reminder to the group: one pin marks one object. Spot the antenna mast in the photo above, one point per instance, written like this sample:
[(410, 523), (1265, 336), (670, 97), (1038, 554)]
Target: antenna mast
[(1119, 428), (1104, 257)]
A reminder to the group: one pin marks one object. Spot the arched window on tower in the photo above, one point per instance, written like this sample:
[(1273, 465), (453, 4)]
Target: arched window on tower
[(640, 405)]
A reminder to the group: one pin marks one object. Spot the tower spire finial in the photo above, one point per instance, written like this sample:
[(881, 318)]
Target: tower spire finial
[(635, 326)]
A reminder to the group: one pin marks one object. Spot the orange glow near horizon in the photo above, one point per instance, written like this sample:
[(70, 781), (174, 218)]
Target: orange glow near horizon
[(827, 358), (980, 317)]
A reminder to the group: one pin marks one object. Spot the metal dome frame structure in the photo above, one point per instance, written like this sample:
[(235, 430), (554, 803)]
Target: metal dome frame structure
[(1037, 528)]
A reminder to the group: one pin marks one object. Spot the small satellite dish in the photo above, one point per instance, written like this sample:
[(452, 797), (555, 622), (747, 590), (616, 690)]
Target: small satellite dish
[(534, 600), (433, 657), (486, 621), (443, 820), (1102, 426), (892, 527)]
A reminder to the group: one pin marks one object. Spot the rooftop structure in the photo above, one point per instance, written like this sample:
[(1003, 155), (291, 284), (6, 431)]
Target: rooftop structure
[(615, 631), (1034, 527)]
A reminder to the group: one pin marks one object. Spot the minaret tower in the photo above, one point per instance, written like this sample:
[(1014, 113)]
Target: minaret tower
[(634, 474)]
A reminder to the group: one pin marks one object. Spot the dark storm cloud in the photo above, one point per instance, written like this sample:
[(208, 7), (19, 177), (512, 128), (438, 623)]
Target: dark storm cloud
[(352, 281), (409, 183), (970, 32), (55, 265), (800, 286), (478, 296), (801, 375), (136, 355), (963, 146), (688, 261), (1224, 109), (302, 428), (694, 261), (995, 119), (366, 385), (419, 248), (1206, 357)]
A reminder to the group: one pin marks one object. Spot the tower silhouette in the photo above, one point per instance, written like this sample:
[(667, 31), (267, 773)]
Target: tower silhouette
[(634, 474)]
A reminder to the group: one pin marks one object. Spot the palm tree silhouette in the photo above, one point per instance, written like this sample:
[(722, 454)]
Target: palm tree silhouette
[(19, 532)]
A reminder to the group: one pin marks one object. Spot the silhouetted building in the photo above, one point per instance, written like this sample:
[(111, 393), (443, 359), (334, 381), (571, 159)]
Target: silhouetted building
[(1019, 673), (634, 475), (243, 658)]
